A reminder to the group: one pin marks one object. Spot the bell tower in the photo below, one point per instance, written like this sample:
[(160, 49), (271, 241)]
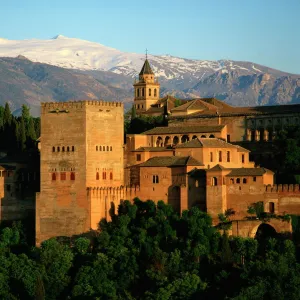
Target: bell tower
[(146, 89)]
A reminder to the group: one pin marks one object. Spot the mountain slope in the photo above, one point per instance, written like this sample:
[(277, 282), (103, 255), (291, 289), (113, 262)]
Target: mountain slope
[(25, 82)]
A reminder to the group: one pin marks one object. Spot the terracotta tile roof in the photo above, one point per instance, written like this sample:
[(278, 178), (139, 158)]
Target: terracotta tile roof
[(196, 104), (153, 149), (207, 143), (249, 172), (185, 129), (170, 161), (146, 69), (217, 168)]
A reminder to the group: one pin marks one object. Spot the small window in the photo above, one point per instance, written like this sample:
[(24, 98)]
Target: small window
[(228, 156), (63, 176), (107, 148), (228, 138), (63, 149), (58, 149), (68, 149), (138, 157), (72, 176), (96, 148), (214, 181), (149, 92), (53, 149), (138, 92), (104, 175), (97, 176), (53, 176), (100, 148), (155, 93), (73, 148), (138, 106), (211, 157), (103, 148), (231, 181), (243, 158), (111, 176), (271, 207), (254, 179), (244, 180), (110, 148), (155, 179), (220, 156), (238, 180), (143, 92)]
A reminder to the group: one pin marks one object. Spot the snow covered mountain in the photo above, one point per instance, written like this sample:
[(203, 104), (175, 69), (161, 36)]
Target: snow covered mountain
[(92, 70), (79, 54)]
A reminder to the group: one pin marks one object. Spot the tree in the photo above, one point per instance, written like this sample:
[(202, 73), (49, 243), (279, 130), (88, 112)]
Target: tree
[(7, 115)]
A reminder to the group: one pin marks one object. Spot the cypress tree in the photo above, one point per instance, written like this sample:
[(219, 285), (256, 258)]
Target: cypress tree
[(22, 134), (7, 115), (133, 112), (31, 131)]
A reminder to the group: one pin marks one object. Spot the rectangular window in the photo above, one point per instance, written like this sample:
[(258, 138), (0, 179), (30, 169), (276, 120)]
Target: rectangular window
[(220, 156), (155, 179), (228, 156), (243, 158), (211, 157), (138, 157), (254, 179), (228, 138), (63, 176)]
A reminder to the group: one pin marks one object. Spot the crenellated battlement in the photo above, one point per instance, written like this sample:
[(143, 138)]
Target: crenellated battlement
[(278, 188), (79, 104)]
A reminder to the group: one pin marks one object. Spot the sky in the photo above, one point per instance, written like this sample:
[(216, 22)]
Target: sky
[(266, 32)]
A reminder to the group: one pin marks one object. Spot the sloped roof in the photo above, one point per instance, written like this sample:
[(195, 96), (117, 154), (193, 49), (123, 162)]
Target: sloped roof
[(170, 161), (153, 149), (146, 69), (185, 129), (217, 167), (206, 143), (196, 104), (249, 172)]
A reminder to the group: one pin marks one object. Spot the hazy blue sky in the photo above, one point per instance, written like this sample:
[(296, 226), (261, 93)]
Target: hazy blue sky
[(261, 31)]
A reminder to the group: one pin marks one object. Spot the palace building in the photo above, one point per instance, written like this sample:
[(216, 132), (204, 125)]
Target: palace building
[(199, 159)]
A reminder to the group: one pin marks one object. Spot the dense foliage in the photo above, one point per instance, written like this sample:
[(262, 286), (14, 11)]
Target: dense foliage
[(149, 252), (18, 133)]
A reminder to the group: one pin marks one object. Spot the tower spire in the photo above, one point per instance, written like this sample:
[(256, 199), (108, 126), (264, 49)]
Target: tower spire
[(146, 53)]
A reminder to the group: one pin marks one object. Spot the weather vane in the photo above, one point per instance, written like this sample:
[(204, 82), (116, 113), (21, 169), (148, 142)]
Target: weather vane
[(146, 53)]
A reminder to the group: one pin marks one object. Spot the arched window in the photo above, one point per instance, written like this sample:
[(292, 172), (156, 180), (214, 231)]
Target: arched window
[(194, 137), (271, 207), (228, 156), (103, 148), (231, 181), (72, 176), (110, 148), (238, 180), (211, 136), (211, 157), (107, 148), (104, 175), (53, 176), (196, 183), (220, 156), (63, 149), (63, 176), (58, 149), (68, 149), (96, 148), (244, 180), (214, 181), (73, 148), (100, 148), (53, 149), (149, 92), (203, 136), (97, 176), (155, 93), (111, 176), (184, 139), (138, 92), (175, 140), (143, 92)]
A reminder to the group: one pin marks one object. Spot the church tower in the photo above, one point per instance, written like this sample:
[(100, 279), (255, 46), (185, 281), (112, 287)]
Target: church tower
[(146, 90)]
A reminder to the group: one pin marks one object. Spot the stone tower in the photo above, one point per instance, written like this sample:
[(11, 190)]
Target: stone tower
[(81, 147), (146, 90)]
